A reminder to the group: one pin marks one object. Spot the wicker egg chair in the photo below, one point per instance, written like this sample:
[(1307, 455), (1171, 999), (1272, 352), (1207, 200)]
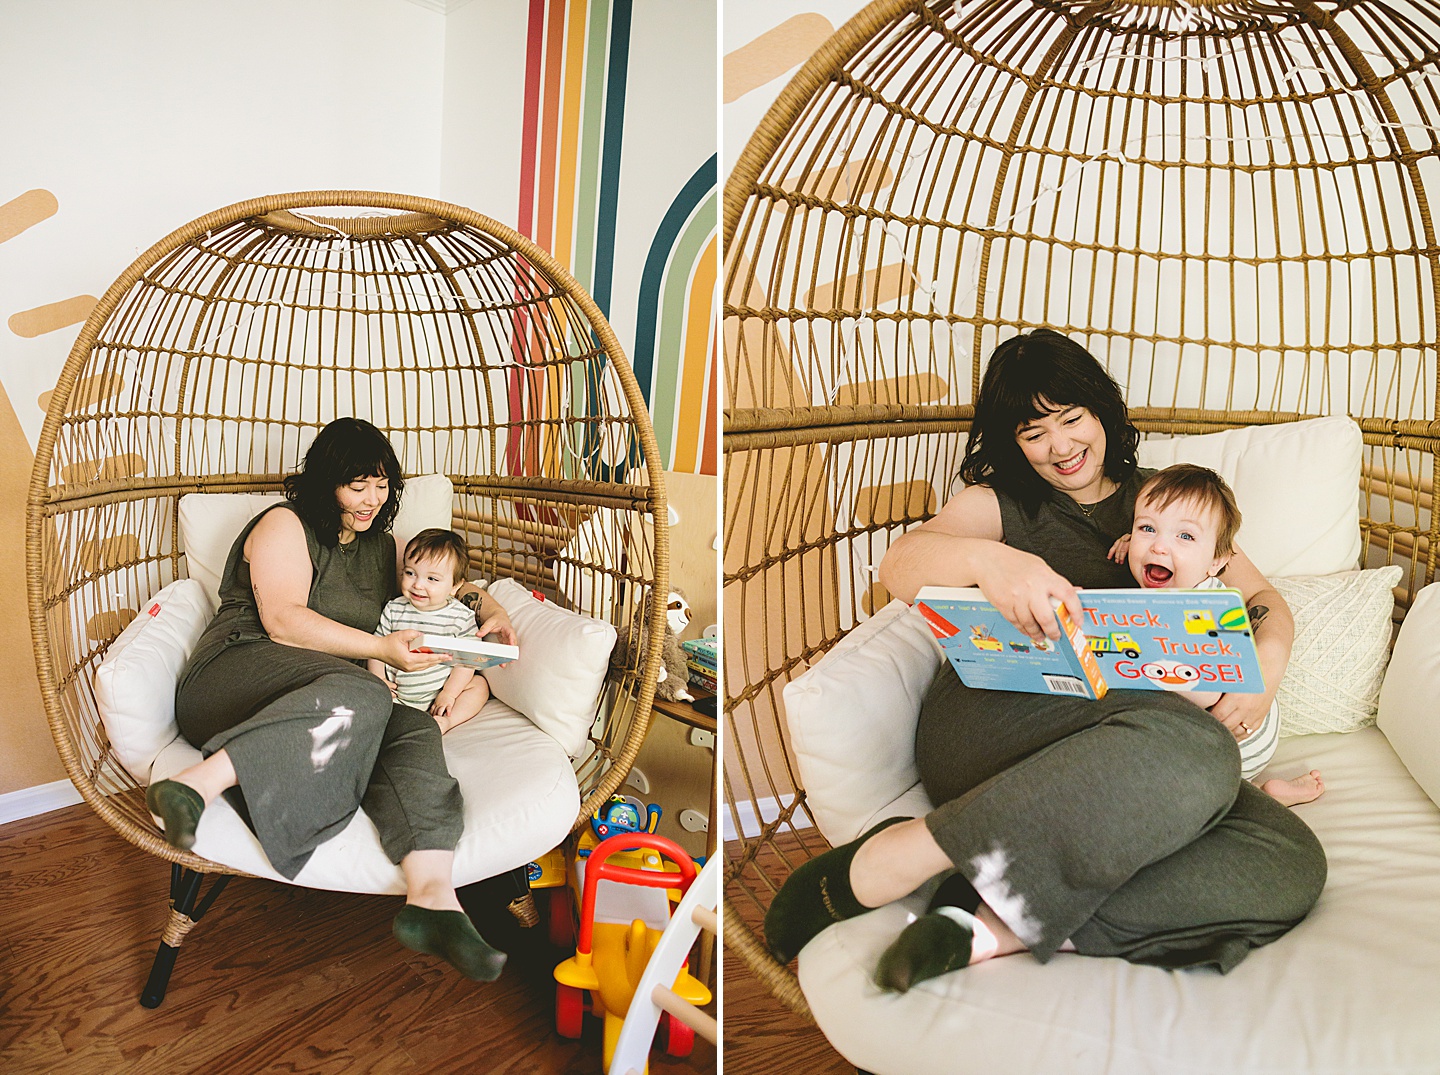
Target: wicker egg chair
[(1228, 204), (211, 362)]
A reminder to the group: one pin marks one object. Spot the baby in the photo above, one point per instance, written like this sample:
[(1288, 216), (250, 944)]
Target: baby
[(1182, 538), (435, 562)]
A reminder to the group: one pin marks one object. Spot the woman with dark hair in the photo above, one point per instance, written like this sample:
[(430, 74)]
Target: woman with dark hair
[(296, 732), (1114, 827)]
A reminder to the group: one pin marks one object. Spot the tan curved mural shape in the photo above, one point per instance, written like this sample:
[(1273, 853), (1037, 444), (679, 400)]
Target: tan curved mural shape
[(52, 316), (24, 212), (27, 753), (773, 53)]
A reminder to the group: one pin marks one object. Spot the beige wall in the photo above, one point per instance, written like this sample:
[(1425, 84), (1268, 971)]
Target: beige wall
[(27, 754)]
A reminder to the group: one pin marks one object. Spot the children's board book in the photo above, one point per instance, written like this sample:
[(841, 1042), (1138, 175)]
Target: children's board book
[(471, 652), (1171, 640)]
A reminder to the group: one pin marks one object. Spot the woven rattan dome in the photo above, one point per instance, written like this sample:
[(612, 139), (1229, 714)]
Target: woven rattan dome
[(1228, 203), (212, 361)]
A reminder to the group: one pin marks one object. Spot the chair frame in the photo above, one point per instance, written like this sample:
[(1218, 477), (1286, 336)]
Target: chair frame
[(560, 336), (843, 363)]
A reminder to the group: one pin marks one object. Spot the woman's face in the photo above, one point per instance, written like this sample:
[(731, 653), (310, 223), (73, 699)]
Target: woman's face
[(360, 499), (1066, 446)]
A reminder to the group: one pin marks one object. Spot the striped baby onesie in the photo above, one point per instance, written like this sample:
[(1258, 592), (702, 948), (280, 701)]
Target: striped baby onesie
[(453, 619)]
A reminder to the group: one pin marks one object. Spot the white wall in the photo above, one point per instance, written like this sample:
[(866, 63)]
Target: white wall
[(480, 157), (141, 116)]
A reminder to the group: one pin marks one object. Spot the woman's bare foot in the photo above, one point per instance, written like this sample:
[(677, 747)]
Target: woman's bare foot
[(1006, 943), (209, 777), (1303, 789)]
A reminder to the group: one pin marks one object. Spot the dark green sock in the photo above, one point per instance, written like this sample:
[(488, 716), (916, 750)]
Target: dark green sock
[(451, 936), (935, 943), (817, 894), (178, 806)]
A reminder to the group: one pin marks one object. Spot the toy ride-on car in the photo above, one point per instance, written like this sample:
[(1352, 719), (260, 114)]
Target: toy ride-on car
[(615, 943)]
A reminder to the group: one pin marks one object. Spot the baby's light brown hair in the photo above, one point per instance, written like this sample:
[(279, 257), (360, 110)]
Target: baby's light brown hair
[(435, 543), (1201, 486)]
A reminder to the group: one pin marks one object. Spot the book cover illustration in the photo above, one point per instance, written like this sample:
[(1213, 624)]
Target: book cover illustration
[(1175, 640), (473, 653)]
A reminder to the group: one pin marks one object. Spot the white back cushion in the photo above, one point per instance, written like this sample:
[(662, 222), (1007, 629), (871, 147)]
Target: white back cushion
[(1409, 716), (210, 522), (562, 664), (852, 719), (135, 683), (1297, 484)]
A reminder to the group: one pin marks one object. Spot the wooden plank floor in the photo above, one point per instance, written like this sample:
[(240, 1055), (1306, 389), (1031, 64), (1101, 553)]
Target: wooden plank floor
[(763, 1036), (273, 979)]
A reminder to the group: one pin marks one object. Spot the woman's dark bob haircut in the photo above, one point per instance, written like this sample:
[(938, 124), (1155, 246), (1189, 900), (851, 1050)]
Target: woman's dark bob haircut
[(1029, 376), (346, 449)]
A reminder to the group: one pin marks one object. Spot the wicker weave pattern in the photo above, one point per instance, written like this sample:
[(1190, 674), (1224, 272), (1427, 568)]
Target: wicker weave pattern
[(213, 360), (1228, 204)]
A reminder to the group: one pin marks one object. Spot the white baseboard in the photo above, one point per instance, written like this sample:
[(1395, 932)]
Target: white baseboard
[(41, 799), (751, 822)]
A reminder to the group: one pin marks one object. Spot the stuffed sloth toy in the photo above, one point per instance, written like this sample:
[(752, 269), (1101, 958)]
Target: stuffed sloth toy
[(673, 681)]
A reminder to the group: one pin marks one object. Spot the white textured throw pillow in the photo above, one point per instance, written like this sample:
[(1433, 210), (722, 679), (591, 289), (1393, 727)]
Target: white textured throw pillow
[(563, 660), (210, 522), (1295, 483), (852, 719), (135, 683), (1342, 645)]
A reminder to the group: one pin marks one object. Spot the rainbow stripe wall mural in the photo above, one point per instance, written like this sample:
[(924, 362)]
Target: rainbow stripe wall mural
[(576, 67)]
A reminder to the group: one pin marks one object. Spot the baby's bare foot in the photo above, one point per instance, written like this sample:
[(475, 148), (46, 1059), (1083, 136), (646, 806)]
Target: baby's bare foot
[(1302, 789)]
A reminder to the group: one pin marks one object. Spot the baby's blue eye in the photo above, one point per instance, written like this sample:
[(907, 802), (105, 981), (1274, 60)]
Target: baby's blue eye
[(1186, 536), (1145, 528)]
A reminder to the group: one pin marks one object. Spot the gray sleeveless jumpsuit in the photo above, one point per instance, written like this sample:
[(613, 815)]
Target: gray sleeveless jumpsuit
[(1120, 824), (312, 736)]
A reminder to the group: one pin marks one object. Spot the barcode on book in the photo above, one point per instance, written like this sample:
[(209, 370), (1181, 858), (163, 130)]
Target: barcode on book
[(1065, 685)]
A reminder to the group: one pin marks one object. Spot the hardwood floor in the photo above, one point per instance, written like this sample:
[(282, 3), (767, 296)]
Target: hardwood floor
[(273, 979), (763, 1036)]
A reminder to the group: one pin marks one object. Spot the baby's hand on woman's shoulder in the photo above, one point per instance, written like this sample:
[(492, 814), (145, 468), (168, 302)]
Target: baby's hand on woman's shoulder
[(1120, 551)]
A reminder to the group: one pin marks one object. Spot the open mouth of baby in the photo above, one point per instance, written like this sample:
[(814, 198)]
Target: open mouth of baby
[(1157, 576)]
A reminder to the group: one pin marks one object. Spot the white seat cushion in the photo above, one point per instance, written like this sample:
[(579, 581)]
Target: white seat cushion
[(521, 797), (1351, 989)]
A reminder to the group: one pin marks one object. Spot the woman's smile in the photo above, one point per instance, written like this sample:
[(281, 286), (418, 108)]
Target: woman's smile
[(360, 501), (1066, 446)]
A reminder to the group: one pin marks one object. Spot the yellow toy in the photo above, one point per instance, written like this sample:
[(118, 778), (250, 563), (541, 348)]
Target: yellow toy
[(610, 956)]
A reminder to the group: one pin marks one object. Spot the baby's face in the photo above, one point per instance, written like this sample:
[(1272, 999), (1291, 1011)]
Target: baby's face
[(1173, 548), (428, 584)]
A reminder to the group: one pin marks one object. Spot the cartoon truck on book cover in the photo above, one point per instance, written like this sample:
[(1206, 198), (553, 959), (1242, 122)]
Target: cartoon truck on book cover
[(1114, 642), (1202, 621), (982, 639)]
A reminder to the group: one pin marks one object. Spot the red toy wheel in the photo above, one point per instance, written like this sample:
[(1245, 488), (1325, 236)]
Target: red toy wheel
[(679, 1038), (569, 1010), (559, 924)]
